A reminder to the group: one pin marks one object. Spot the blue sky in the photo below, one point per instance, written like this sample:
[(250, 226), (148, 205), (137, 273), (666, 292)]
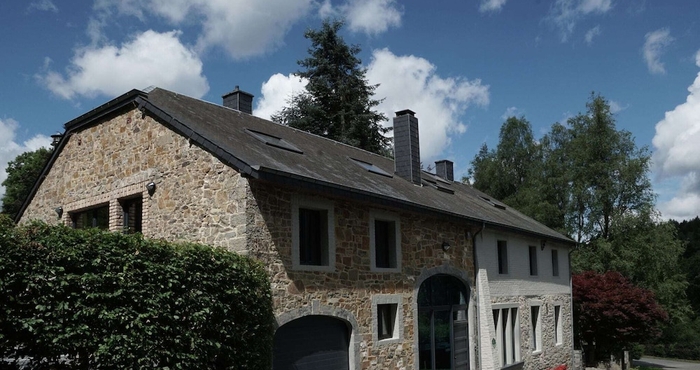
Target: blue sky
[(462, 66)]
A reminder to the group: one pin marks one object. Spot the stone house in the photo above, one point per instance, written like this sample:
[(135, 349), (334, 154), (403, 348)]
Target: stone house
[(374, 263)]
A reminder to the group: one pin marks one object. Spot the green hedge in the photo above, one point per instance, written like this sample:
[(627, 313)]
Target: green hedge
[(93, 299)]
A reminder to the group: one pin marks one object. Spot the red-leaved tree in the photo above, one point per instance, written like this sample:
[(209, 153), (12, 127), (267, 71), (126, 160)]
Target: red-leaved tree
[(612, 313)]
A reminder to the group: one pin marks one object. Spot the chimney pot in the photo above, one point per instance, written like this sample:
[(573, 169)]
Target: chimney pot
[(445, 169), (239, 100)]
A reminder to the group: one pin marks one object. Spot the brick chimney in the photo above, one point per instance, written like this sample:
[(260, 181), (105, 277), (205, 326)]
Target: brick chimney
[(445, 170), (239, 100), (406, 146)]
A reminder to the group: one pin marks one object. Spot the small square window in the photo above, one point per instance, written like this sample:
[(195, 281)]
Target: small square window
[(385, 242), (387, 319), (313, 246), (97, 217), (502, 257), (555, 262), (533, 261)]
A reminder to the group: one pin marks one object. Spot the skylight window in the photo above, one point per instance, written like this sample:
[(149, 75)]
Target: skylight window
[(370, 167), (275, 141), (435, 185), (489, 201)]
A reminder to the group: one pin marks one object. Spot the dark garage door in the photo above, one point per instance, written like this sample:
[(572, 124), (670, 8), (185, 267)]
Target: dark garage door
[(312, 343)]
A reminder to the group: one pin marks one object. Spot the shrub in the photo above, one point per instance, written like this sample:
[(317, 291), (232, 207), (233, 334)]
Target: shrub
[(94, 299)]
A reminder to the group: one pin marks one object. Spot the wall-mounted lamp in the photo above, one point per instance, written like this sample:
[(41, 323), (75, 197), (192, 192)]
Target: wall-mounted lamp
[(151, 187), (55, 139), (543, 242), (445, 246), (59, 211)]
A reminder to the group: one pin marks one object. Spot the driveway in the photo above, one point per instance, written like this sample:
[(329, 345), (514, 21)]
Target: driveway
[(666, 363)]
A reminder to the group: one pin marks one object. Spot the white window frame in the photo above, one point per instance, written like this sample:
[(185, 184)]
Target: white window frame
[(536, 327), (558, 327), (314, 204), (380, 299), (512, 336), (375, 215)]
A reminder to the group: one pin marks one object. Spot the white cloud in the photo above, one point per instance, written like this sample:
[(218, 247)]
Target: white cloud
[(10, 149), (697, 58), (150, 58), (275, 93), (410, 82), (491, 5), (677, 153), (564, 14), (510, 112), (616, 107), (44, 5), (592, 33), (369, 16), (242, 28), (654, 44)]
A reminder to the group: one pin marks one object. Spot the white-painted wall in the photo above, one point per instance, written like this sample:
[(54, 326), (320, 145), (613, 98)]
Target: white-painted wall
[(518, 281)]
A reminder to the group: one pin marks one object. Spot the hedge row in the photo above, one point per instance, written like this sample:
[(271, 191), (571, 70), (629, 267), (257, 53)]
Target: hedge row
[(93, 299), (686, 351)]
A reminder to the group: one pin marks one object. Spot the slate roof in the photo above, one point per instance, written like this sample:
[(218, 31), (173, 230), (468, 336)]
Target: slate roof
[(267, 151)]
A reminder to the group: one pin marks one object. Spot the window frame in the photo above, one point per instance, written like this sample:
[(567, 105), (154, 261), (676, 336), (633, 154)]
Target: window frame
[(374, 216), (510, 334), (392, 300), (558, 327), (92, 212), (555, 263), (532, 254), (502, 257), (536, 327), (124, 204), (323, 205)]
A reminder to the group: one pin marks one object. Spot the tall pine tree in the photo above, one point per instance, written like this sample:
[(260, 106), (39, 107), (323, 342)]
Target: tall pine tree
[(338, 102)]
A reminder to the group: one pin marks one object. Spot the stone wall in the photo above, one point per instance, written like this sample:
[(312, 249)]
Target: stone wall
[(197, 197), (552, 354), (351, 287)]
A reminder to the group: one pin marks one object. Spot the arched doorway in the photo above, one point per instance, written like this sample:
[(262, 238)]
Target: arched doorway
[(310, 343), (443, 332)]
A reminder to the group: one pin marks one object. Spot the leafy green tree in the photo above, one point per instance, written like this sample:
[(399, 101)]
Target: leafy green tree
[(22, 173), (338, 102)]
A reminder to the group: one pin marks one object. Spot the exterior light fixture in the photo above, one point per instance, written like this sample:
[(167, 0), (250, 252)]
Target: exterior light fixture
[(543, 242), (151, 187), (445, 246), (55, 139), (59, 211)]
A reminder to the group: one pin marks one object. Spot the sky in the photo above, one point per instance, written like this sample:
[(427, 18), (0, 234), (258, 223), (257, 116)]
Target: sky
[(463, 66)]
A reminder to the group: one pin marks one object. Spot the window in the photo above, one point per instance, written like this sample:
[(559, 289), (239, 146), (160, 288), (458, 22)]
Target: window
[(313, 246), (386, 320), (132, 210), (502, 257), (558, 331), (95, 217), (386, 310), (555, 262), (533, 261), (507, 325), (535, 328), (385, 242)]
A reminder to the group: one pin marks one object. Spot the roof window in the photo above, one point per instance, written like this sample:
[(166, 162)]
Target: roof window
[(275, 141), (370, 167)]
